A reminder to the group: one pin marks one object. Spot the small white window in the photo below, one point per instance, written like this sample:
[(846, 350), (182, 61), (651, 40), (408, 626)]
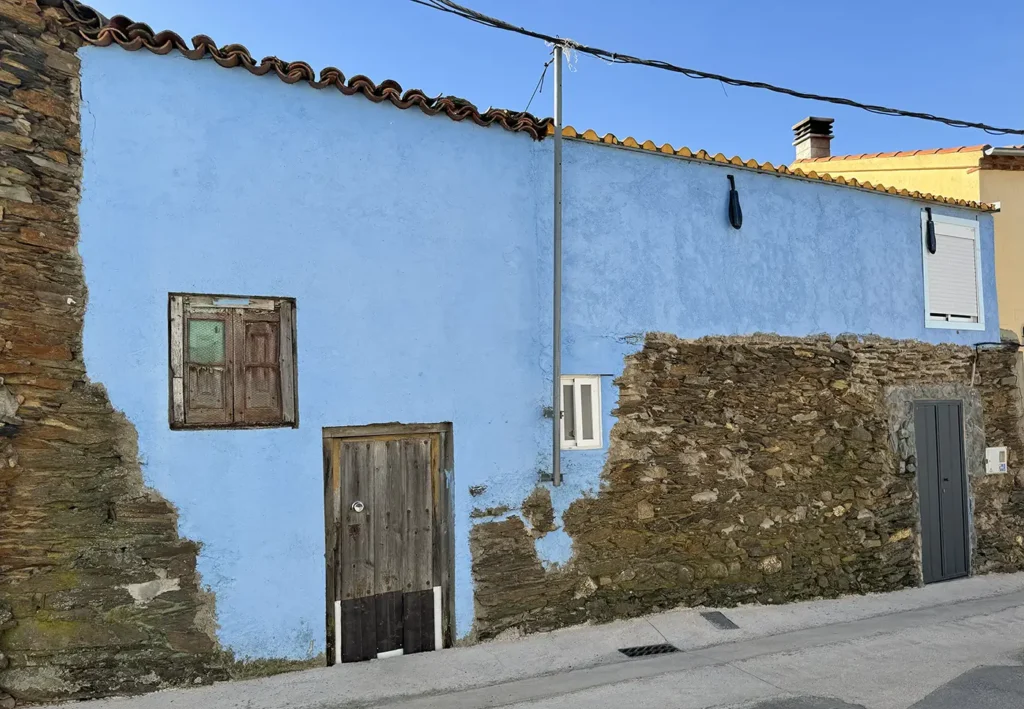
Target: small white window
[(581, 412), (952, 275)]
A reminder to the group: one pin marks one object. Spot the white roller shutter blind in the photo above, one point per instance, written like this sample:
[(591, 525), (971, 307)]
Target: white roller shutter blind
[(953, 273)]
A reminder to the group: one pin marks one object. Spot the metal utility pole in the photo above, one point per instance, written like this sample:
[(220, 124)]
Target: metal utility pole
[(556, 341)]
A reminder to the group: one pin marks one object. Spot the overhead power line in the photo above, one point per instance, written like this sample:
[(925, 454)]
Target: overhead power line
[(617, 58), (540, 85)]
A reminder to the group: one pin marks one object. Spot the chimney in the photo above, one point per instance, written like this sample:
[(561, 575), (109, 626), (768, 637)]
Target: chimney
[(813, 137)]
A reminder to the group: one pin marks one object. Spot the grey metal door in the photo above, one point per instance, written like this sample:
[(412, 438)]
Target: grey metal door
[(942, 488)]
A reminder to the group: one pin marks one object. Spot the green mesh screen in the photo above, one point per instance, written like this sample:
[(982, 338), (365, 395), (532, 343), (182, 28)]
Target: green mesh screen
[(205, 341)]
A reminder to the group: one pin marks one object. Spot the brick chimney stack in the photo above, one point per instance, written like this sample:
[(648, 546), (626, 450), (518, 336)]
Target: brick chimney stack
[(813, 138)]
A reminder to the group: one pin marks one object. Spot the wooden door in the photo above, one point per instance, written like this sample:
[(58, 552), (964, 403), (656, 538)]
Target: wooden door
[(387, 539)]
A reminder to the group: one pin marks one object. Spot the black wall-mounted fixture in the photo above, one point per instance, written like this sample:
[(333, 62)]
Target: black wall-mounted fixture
[(930, 232), (735, 212)]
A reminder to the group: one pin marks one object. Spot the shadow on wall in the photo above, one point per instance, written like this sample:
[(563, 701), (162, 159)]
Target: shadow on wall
[(751, 469)]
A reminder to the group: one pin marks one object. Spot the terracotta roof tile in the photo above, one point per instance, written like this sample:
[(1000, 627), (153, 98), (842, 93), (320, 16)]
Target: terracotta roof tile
[(133, 36), (609, 139), (95, 29), (901, 154)]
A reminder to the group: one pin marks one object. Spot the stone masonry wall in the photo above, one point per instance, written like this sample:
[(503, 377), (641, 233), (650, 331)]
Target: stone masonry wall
[(98, 593), (998, 500), (760, 470)]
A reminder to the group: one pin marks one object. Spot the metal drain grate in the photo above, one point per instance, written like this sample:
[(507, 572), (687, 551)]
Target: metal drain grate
[(720, 621), (646, 650)]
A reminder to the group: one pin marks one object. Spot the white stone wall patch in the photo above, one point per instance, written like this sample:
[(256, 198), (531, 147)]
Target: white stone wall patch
[(145, 592)]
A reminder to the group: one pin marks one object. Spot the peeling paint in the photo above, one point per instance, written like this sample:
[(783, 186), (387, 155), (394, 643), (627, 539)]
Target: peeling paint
[(856, 240), (146, 591), (844, 520)]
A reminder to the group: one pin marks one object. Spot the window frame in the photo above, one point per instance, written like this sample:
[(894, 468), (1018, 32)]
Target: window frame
[(597, 414), (235, 312), (979, 283)]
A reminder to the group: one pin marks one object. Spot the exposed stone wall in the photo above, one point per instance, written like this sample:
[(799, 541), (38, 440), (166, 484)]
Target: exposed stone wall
[(998, 508), (98, 593), (760, 469)]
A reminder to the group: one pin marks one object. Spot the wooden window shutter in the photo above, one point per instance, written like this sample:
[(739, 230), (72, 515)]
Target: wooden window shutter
[(208, 356), (287, 360), (258, 390), (177, 340), (232, 361)]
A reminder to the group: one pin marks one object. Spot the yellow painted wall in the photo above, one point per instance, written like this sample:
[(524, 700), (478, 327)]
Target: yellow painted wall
[(945, 174), (1007, 188)]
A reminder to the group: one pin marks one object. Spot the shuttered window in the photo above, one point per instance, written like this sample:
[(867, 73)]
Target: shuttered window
[(232, 361), (581, 412), (953, 295)]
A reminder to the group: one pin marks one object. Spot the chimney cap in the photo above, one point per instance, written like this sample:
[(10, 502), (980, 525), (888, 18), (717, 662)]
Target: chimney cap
[(814, 125)]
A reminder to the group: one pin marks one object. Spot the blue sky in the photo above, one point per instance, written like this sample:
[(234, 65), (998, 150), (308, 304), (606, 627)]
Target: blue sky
[(964, 60)]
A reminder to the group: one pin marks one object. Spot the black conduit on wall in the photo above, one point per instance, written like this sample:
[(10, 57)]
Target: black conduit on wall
[(735, 212), (930, 232)]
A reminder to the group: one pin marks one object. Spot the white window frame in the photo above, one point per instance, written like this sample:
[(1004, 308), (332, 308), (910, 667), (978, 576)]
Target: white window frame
[(576, 380), (972, 224)]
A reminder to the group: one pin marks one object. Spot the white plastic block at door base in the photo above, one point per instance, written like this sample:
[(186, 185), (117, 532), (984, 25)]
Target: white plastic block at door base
[(337, 633), (438, 635), (390, 653), (995, 460)]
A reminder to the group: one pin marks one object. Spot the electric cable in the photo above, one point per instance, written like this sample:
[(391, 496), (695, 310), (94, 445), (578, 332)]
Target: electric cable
[(616, 58), (539, 88)]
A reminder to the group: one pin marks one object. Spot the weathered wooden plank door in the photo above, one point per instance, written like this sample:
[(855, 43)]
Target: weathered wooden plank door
[(388, 538)]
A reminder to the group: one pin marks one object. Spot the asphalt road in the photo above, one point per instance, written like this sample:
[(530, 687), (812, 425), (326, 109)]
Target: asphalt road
[(935, 662), (955, 645), (980, 688)]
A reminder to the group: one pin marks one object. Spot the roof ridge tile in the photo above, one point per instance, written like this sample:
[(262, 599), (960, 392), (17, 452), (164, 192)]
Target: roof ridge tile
[(591, 135), (900, 153), (134, 36), (96, 30)]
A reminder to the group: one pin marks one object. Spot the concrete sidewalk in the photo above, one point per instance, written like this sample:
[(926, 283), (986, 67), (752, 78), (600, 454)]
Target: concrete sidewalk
[(594, 650)]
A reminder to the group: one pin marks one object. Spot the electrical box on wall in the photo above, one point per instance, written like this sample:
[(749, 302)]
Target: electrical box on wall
[(995, 460)]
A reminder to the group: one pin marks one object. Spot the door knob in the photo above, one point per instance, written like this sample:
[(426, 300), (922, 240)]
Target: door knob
[(357, 506)]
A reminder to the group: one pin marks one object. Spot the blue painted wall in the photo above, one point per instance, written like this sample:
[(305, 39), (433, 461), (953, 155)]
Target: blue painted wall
[(410, 246), (648, 247), (418, 251)]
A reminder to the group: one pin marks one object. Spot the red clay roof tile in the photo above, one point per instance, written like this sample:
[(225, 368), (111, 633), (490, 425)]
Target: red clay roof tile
[(901, 154), (133, 36)]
